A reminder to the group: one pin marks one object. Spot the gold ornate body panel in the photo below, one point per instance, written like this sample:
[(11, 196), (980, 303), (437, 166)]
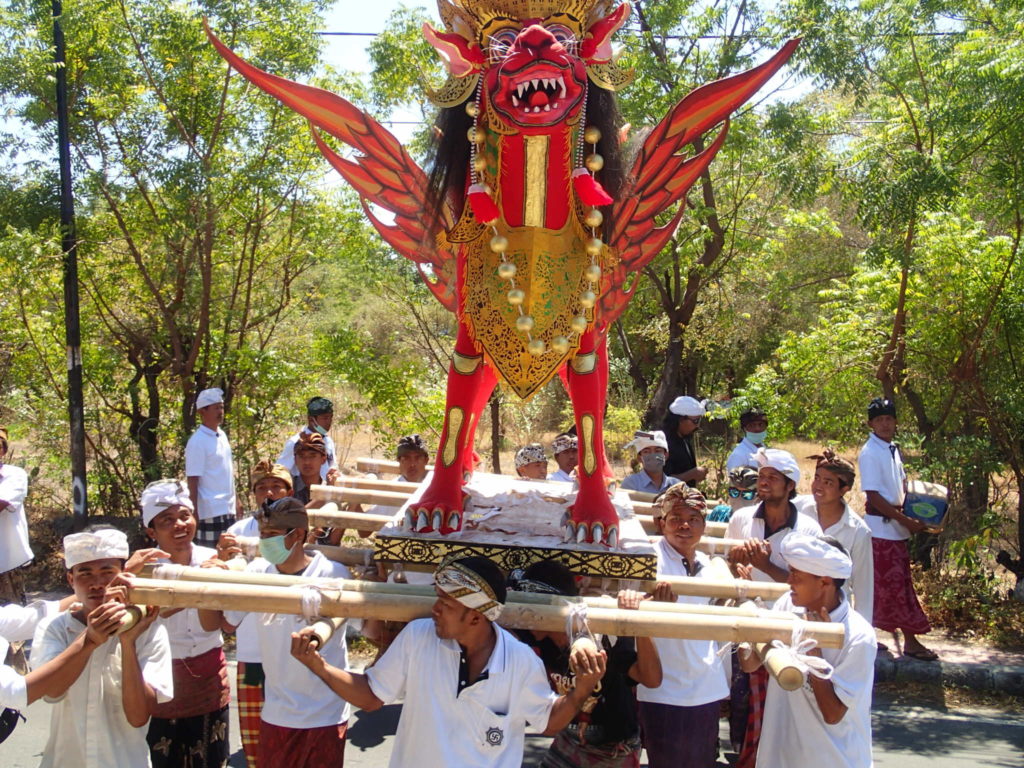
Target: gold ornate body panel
[(549, 270)]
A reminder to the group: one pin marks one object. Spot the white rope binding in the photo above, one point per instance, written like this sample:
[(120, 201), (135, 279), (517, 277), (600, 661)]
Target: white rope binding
[(800, 646), (312, 597), (169, 571)]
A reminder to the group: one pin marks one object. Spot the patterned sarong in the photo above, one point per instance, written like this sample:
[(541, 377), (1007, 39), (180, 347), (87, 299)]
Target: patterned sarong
[(200, 741), (249, 693), (568, 752), (191, 730), (755, 718), (208, 531), (896, 603), (304, 747)]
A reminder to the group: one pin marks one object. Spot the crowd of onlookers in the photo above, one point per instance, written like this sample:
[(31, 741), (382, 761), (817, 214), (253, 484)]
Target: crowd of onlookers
[(158, 692)]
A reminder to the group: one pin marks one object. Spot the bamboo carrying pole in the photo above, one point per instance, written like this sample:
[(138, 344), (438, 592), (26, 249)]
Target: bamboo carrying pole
[(131, 616), (395, 607), (781, 665), (395, 499), (219, 576), (324, 629)]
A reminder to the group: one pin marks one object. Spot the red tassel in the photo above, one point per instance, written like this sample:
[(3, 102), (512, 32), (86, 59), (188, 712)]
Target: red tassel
[(588, 190), (484, 208)]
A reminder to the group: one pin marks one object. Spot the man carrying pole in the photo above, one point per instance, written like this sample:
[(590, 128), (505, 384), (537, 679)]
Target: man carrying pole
[(828, 720), (470, 688)]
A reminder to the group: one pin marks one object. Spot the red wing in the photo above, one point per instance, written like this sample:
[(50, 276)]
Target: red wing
[(662, 175), (383, 173)]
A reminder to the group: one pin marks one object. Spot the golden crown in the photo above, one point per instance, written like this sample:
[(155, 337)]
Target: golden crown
[(474, 14)]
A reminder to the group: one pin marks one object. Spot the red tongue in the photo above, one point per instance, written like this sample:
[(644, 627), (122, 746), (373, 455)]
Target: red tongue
[(538, 98)]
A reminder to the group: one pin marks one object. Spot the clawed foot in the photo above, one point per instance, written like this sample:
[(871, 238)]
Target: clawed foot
[(593, 519), (427, 516), (596, 533)]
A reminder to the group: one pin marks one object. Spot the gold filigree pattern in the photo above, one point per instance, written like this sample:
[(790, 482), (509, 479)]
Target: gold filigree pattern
[(549, 269), (610, 76), (455, 91)]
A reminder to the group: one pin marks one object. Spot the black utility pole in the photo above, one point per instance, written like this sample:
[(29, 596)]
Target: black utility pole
[(69, 244)]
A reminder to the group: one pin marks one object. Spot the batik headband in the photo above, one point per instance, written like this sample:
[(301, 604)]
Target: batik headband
[(469, 588)]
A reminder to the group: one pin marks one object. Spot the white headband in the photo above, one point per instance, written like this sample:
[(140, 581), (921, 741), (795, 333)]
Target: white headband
[(641, 440), (85, 547), (687, 406), (816, 556), (209, 397), (779, 460), (163, 494)]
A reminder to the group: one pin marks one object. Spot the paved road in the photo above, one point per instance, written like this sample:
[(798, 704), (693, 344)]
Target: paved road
[(905, 736)]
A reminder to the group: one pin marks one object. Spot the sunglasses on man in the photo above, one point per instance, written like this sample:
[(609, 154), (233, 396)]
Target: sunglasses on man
[(735, 493)]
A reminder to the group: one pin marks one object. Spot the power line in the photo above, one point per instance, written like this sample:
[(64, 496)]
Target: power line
[(748, 36)]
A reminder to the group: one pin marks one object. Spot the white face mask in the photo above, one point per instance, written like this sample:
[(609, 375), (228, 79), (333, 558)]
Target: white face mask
[(653, 462)]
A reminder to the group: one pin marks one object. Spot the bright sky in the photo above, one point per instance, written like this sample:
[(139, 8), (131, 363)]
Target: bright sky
[(349, 53), (359, 16)]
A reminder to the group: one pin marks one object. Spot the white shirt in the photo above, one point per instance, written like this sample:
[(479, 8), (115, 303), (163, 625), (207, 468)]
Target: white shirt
[(188, 638), (692, 672), (208, 457), (293, 696), (247, 647), (853, 533), (18, 623), (381, 509), (14, 547), (795, 735), (88, 727), (287, 457), (561, 475), (749, 524), (743, 455), (641, 481), (881, 470), (481, 727)]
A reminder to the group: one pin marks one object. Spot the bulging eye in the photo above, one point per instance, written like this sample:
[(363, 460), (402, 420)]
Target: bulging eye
[(560, 33), (503, 38)]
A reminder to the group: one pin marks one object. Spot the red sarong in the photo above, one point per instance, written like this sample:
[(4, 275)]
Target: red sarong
[(200, 686), (896, 603), (755, 718), (302, 747)]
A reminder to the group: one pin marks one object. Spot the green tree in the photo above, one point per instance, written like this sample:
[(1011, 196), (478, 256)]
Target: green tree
[(199, 210)]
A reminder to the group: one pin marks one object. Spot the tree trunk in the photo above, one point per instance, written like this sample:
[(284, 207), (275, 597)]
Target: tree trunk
[(496, 431), (1015, 565), (669, 383)]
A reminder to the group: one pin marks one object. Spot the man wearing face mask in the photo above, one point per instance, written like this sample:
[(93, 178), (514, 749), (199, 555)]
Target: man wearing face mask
[(754, 423), (303, 722), (652, 450)]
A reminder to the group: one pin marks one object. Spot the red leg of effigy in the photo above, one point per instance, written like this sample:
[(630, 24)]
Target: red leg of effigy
[(593, 517), (470, 383)]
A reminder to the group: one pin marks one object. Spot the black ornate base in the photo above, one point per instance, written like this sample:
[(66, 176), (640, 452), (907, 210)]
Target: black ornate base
[(431, 550)]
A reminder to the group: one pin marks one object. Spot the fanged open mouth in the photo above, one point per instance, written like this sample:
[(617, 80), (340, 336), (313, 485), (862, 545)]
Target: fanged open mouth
[(539, 94)]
